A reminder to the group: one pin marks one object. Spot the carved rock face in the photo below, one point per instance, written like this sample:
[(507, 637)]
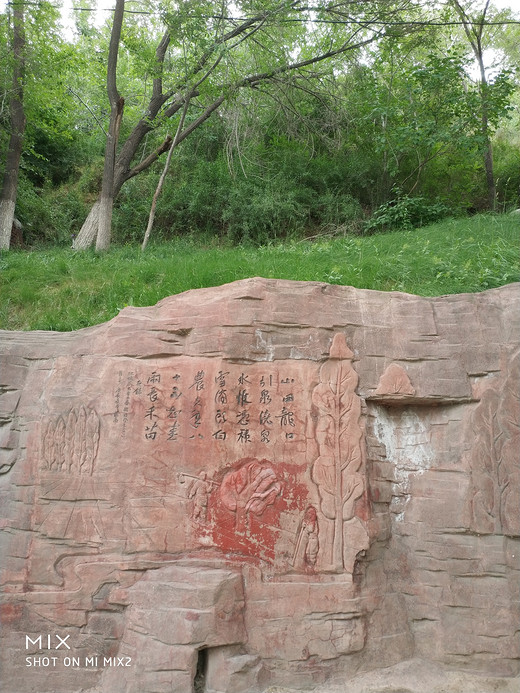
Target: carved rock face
[(265, 483)]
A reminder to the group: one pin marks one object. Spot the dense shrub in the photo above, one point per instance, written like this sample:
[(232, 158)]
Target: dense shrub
[(507, 169), (50, 215), (277, 196), (405, 213)]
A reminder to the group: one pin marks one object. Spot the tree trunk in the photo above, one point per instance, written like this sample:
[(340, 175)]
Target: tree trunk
[(488, 147), (88, 233), (163, 175), (123, 172), (122, 169), (168, 104), (6, 222), (106, 201), (160, 184), (116, 114), (474, 30), (490, 175), (14, 153)]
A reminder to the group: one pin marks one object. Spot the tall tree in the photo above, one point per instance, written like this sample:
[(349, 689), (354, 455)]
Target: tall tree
[(106, 200), (17, 121), (160, 184), (474, 29), (221, 47)]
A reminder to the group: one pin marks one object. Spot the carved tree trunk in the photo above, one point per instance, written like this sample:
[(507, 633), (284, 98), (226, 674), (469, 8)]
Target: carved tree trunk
[(14, 152), (338, 471)]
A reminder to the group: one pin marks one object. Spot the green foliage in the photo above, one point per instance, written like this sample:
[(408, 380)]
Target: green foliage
[(507, 171), (313, 152), (262, 213), (57, 289), (404, 213), (285, 193), (50, 215), (506, 151)]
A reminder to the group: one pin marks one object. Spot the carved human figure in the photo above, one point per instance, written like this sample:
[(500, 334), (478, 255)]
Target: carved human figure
[(48, 445), (307, 542), (59, 439), (199, 491)]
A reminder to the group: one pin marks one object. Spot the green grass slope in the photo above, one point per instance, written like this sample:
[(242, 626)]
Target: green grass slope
[(59, 289)]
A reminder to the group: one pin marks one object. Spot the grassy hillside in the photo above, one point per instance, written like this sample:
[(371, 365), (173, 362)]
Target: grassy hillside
[(58, 289)]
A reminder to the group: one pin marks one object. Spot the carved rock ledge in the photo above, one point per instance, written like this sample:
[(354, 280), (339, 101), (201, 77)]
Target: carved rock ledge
[(263, 484)]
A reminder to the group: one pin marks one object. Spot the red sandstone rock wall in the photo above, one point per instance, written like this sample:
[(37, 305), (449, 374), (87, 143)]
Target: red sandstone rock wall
[(265, 483)]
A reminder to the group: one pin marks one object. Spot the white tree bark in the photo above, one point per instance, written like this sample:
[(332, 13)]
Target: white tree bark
[(6, 222), (9, 188), (116, 114), (88, 232)]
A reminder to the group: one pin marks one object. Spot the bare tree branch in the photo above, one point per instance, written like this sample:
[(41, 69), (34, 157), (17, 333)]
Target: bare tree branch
[(163, 175), (99, 123)]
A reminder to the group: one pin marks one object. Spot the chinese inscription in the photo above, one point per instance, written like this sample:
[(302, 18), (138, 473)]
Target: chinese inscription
[(229, 406), (266, 459)]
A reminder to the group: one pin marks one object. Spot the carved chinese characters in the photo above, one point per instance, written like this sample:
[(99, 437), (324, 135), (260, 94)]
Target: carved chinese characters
[(237, 405), (263, 484), (221, 456)]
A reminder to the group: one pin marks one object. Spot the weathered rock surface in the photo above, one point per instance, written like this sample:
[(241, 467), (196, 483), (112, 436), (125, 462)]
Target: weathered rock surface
[(265, 484), (415, 676)]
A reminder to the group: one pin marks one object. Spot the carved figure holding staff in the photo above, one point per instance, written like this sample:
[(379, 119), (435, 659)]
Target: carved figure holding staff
[(307, 543), (198, 491)]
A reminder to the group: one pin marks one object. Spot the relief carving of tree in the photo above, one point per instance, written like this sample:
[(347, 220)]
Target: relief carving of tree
[(484, 500), (509, 467), (70, 442), (337, 472), (249, 489), (495, 475)]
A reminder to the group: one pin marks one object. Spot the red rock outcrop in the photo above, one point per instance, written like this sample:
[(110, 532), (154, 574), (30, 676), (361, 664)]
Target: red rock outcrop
[(260, 484)]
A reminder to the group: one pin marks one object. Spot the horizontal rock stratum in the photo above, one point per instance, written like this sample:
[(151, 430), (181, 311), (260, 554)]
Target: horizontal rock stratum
[(268, 483)]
